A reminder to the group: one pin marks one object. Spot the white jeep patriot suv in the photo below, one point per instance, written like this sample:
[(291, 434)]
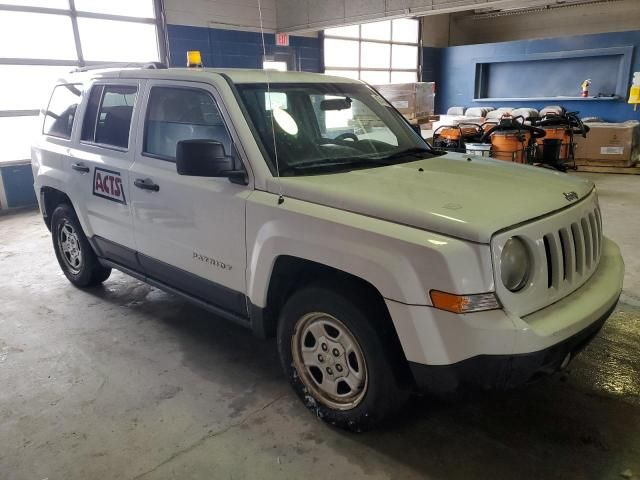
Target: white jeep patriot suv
[(304, 206)]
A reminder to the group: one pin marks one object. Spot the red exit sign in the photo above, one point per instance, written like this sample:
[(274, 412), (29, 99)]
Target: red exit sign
[(282, 39)]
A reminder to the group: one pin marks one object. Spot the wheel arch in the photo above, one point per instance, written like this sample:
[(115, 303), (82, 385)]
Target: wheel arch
[(290, 273), (50, 198)]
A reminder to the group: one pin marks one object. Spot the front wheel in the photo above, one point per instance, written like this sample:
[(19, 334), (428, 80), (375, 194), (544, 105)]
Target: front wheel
[(73, 251), (334, 356)]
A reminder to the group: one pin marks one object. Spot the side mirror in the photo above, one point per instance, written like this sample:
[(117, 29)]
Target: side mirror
[(204, 158)]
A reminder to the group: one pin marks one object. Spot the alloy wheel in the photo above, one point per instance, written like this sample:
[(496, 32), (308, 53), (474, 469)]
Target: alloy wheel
[(329, 361)]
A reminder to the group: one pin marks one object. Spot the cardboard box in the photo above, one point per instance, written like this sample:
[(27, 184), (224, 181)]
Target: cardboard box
[(610, 144), (413, 100), (423, 120)]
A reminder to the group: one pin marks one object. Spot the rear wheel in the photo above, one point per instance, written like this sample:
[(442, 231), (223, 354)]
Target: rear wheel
[(334, 356), (73, 251)]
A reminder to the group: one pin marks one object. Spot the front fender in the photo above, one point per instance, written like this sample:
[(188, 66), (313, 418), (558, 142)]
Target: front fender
[(403, 263)]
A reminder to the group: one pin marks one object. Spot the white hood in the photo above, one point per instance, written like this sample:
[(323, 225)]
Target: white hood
[(451, 195)]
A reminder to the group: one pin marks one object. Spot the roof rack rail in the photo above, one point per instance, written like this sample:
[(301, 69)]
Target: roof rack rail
[(100, 66)]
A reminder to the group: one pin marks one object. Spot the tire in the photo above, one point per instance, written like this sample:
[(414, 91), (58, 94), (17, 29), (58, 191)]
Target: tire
[(73, 251), (374, 392)]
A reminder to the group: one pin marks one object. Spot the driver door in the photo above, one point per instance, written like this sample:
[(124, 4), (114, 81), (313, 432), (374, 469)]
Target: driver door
[(189, 231)]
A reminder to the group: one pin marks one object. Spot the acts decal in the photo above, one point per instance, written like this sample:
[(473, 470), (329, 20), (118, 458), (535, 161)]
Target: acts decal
[(108, 184)]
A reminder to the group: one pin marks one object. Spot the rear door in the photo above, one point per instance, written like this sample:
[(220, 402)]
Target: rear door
[(100, 165), (190, 231)]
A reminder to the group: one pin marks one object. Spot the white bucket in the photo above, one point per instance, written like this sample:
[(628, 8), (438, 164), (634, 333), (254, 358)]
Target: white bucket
[(479, 149)]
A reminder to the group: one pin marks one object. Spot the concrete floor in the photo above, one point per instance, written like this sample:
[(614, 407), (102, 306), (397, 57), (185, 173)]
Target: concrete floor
[(127, 382)]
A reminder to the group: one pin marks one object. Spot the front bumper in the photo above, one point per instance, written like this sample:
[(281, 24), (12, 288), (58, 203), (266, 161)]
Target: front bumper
[(495, 349), (503, 371)]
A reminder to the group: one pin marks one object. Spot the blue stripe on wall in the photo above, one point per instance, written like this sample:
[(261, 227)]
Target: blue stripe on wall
[(238, 49), (430, 63), (18, 185), (455, 75)]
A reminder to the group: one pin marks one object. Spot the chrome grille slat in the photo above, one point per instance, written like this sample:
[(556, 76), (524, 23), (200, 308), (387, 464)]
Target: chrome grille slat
[(586, 235), (599, 225), (569, 252), (556, 261), (549, 257), (578, 240), (594, 236)]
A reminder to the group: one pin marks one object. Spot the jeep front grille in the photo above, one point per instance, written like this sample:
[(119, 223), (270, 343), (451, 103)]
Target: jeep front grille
[(572, 251), (565, 248)]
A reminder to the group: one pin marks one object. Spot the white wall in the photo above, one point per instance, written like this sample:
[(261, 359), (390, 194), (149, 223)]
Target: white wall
[(232, 14), (436, 30), (615, 16)]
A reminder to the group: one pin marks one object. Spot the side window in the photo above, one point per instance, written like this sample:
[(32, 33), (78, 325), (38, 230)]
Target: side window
[(107, 120), (61, 111), (176, 114)]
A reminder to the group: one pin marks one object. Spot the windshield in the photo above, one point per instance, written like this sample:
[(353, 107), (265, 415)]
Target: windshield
[(329, 127)]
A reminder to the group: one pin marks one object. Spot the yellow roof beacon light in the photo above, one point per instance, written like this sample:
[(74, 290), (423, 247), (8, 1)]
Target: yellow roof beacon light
[(194, 59)]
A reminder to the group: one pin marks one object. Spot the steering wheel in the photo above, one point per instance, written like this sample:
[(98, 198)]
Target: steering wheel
[(343, 136)]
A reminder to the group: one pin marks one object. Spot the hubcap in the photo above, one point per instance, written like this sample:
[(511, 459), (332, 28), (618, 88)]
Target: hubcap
[(329, 361), (70, 247)]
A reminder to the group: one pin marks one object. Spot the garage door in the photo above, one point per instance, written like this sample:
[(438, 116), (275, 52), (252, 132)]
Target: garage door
[(41, 40), (377, 52)]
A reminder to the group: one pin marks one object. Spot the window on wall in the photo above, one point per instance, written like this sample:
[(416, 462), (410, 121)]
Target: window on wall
[(70, 34), (378, 52)]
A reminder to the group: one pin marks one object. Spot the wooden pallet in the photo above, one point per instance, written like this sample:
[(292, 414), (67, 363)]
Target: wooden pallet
[(596, 169), (424, 119), (604, 163)]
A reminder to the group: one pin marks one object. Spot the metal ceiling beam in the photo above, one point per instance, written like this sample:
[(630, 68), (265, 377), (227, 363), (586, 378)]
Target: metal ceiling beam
[(311, 15)]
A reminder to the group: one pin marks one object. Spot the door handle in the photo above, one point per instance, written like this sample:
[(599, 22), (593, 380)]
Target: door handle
[(146, 184), (80, 167)]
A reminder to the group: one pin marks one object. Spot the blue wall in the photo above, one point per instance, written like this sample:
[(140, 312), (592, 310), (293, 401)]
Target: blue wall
[(238, 49), (18, 185), (455, 74), (430, 63)]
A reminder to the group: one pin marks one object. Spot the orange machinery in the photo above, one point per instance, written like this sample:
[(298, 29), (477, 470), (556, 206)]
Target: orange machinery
[(454, 137), (557, 148), (512, 140)]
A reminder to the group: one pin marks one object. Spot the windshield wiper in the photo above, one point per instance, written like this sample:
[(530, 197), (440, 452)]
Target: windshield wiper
[(340, 164), (352, 163), (414, 151)]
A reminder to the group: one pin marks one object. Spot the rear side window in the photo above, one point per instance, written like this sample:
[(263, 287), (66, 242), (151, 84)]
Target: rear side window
[(176, 114), (58, 120), (107, 120)]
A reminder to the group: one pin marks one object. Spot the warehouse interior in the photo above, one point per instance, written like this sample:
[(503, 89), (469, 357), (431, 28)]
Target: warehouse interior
[(127, 380)]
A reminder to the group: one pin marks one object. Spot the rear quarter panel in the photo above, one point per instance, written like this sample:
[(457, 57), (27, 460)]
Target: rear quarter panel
[(50, 165)]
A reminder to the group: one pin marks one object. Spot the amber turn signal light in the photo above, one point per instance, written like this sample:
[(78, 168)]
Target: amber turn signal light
[(464, 303)]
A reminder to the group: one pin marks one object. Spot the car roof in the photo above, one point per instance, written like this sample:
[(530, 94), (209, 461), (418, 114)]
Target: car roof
[(236, 75)]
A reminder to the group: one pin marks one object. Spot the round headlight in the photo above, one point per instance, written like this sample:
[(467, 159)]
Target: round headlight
[(515, 264)]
